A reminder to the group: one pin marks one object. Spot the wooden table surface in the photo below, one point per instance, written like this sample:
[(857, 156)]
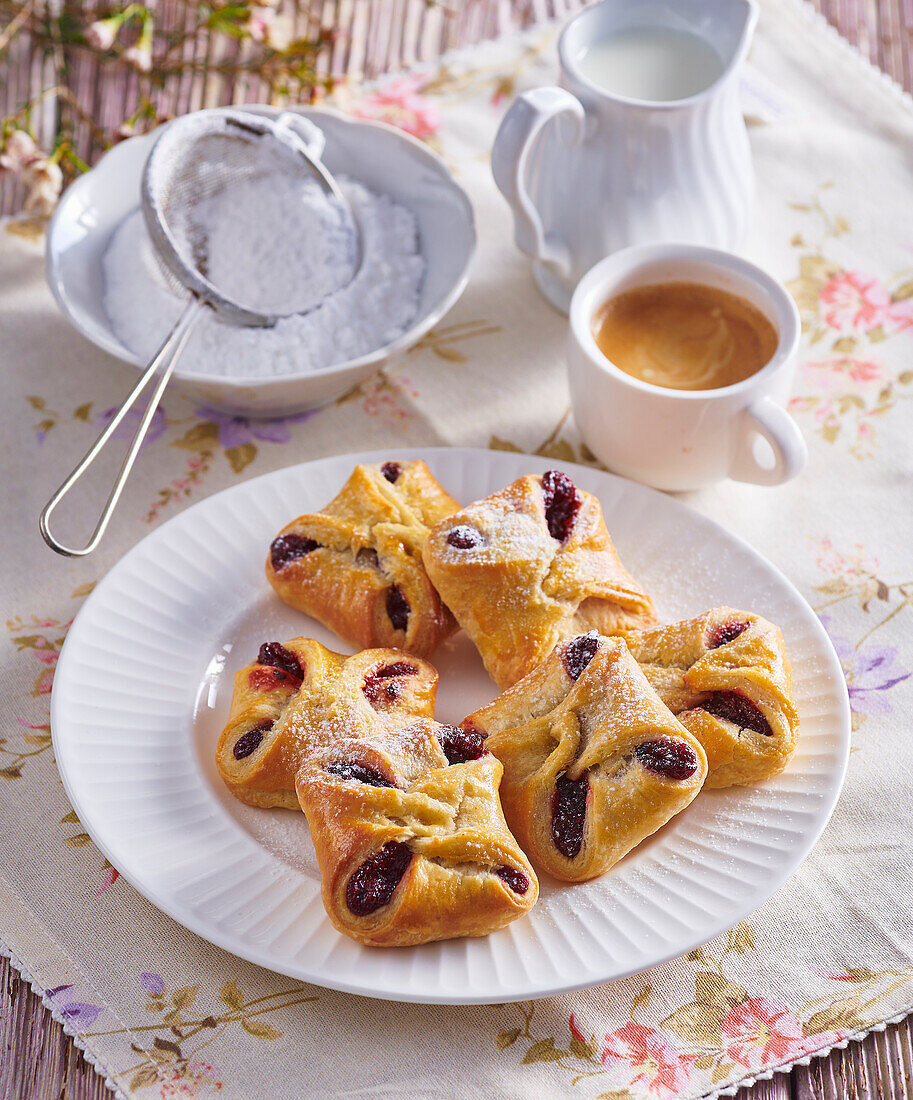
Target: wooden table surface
[(38, 1061)]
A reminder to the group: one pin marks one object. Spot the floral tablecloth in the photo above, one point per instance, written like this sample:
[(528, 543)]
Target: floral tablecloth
[(162, 1013)]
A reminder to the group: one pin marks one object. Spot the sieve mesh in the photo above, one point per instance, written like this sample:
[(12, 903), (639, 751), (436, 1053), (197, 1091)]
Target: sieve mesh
[(201, 155)]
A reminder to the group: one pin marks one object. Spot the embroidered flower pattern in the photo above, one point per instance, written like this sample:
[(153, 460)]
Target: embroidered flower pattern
[(847, 383), (870, 672), (75, 1013), (760, 1031), (852, 301), (400, 103), (644, 1060), (711, 1040)]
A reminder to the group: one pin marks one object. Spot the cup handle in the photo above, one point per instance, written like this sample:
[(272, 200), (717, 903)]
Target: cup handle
[(514, 141), (773, 423)]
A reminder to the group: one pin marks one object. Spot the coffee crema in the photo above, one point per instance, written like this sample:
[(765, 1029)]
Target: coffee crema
[(684, 336)]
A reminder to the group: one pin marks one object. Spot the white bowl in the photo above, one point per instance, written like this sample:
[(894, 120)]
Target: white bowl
[(383, 158)]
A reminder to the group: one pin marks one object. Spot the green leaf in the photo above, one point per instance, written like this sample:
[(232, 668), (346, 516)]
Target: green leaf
[(242, 456), (36, 738), (543, 1051), (587, 455), (201, 437), (260, 1029), (877, 334), (705, 1061), (70, 819), (846, 345), (903, 292), (507, 1039), (497, 444), (36, 402), (581, 1050), (712, 989), (843, 1015), (78, 841), (721, 1071), (449, 355), (642, 999), (143, 1078), (185, 996), (905, 377), (230, 994), (83, 412), (11, 773), (168, 1051), (82, 590), (697, 1023), (743, 938), (560, 450), (862, 973)]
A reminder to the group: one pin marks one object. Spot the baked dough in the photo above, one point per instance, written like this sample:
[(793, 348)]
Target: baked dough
[(594, 762), (413, 848), (299, 696), (726, 675), (356, 566), (528, 566)]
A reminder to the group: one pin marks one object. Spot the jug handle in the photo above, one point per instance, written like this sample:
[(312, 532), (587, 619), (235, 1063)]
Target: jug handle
[(514, 141)]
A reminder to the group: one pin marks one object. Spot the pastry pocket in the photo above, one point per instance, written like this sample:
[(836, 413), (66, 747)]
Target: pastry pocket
[(594, 762), (413, 848), (356, 566), (308, 697), (528, 566), (726, 675)]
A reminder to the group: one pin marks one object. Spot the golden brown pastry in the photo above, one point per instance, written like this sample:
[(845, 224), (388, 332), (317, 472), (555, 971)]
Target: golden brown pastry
[(356, 566), (727, 677), (594, 762), (529, 566), (299, 696), (410, 837)]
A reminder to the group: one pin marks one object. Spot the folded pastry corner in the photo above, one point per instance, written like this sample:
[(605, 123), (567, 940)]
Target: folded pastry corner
[(299, 695), (411, 839), (727, 677), (528, 566), (594, 762), (356, 565)]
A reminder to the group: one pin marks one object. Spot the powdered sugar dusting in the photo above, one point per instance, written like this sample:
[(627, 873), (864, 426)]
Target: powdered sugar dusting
[(375, 308)]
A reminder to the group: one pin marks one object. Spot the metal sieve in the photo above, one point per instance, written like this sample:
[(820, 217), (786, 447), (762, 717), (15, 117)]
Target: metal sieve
[(197, 157)]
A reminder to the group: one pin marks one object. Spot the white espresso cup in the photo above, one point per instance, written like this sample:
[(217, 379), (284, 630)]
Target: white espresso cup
[(685, 439)]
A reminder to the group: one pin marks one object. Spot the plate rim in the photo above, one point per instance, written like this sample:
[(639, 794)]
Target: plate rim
[(832, 672)]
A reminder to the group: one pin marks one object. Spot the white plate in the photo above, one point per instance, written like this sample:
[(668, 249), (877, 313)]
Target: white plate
[(143, 686)]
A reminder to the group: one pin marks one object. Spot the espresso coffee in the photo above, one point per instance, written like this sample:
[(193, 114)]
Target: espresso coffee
[(684, 336)]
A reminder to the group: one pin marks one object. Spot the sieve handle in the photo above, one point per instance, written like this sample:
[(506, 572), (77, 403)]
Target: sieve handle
[(160, 370)]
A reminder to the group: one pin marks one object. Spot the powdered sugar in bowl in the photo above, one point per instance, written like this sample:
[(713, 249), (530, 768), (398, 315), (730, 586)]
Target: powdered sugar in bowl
[(419, 240)]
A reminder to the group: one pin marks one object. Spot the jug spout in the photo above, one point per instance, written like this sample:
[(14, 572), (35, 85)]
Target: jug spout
[(727, 25)]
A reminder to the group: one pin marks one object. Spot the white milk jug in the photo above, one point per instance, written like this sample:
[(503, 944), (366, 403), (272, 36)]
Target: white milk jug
[(643, 143)]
